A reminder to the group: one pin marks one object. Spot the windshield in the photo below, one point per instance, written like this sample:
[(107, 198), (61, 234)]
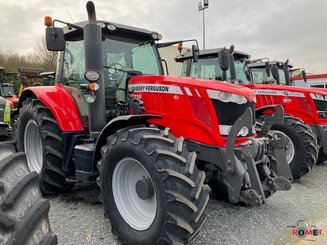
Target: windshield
[(241, 69), (183, 68), (119, 55), (282, 78), (259, 75), (7, 91), (208, 68)]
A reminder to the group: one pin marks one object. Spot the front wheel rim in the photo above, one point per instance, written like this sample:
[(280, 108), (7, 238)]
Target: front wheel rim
[(138, 213), (33, 146), (289, 148)]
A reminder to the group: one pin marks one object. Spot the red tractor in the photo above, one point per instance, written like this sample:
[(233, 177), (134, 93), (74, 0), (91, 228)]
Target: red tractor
[(300, 104), (152, 153), (308, 104)]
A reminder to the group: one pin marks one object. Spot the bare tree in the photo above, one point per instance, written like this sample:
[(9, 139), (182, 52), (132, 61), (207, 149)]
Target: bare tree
[(46, 58)]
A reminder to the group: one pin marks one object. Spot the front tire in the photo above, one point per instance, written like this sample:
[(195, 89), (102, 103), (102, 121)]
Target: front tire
[(152, 190), (23, 212), (40, 137), (301, 145)]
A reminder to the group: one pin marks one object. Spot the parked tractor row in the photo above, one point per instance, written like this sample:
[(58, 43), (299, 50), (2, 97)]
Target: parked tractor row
[(305, 123), (157, 145)]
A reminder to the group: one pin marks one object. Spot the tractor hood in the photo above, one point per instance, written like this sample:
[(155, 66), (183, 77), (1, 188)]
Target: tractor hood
[(183, 85)]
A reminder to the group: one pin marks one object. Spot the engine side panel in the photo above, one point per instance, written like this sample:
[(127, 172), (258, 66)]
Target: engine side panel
[(184, 107)]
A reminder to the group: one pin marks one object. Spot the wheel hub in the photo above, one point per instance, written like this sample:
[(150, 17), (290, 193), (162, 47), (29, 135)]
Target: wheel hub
[(144, 189)]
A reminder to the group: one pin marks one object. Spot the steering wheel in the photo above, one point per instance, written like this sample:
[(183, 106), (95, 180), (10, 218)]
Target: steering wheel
[(113, 67)]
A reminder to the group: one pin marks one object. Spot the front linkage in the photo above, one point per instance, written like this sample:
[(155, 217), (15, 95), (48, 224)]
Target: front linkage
[(251, 172)]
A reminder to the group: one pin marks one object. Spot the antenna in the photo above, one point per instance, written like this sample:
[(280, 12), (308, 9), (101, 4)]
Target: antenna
[(69, 15)]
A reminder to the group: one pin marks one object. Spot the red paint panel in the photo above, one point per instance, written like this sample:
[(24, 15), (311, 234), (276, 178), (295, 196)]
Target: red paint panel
[(61, 104)]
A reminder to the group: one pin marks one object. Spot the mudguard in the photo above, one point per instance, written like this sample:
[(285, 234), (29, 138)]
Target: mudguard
[(116, 124), (59, 102), (261, 111), (277, 117)]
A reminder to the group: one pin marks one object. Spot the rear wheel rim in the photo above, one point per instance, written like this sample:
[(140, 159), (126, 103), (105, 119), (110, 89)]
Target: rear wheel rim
[(138, 213), (33, 146)]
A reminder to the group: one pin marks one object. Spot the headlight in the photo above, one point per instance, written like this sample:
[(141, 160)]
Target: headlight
[(244, 131), (92, 75), (90, 98), (111, 27), (156, 36), (225, 130), (227, 97)]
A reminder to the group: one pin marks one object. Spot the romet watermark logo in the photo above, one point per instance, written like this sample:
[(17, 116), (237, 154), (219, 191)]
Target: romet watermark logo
[(304, 232)]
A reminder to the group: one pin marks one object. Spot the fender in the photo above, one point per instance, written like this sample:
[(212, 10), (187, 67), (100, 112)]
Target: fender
[(116, 124), (59, 102), (260, 111)]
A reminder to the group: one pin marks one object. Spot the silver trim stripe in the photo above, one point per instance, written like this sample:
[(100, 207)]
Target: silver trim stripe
[(156, 88), (197, 92), (278, 93), (188, 91)]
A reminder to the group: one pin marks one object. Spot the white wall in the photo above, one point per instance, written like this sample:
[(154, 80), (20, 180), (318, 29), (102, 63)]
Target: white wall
[(169, 54)]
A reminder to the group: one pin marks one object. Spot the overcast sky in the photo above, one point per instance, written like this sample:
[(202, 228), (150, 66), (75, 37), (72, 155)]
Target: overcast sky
[(276, 29)]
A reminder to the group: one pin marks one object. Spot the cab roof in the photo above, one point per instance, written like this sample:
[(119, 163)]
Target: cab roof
[(262, 64), (122, 30), (209, 52)]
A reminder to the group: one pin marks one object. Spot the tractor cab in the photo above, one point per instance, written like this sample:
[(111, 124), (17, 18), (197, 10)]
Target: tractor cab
[(279, 72), (126, 52), (210, 65), (7, 90)]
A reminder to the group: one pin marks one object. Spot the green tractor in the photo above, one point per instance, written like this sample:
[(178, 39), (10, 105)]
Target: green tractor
[(5, 128)]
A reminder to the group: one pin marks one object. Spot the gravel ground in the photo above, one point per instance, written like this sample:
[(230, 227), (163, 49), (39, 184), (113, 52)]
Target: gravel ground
[(77, 217)]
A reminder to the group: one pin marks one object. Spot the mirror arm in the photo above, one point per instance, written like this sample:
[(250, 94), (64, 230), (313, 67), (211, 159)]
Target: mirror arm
[(70, 25)]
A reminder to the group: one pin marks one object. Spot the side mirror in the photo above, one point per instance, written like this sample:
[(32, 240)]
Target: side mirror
[(304, 75), (195, 53), (231, 49), (287, 72), (267, 67), (274, 72), (247, 74), (55, 39), (223, 58)]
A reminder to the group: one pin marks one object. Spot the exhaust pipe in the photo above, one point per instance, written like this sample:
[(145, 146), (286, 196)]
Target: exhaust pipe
[(93, 61)]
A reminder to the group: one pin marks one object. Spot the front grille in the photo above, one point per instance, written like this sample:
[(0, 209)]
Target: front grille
[(228, 113), (321, 108)]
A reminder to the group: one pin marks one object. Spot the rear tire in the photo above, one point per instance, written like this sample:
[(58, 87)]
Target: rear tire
[(23, 212), (301, 145), (6, 149), (44, 150), (175, 211)]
